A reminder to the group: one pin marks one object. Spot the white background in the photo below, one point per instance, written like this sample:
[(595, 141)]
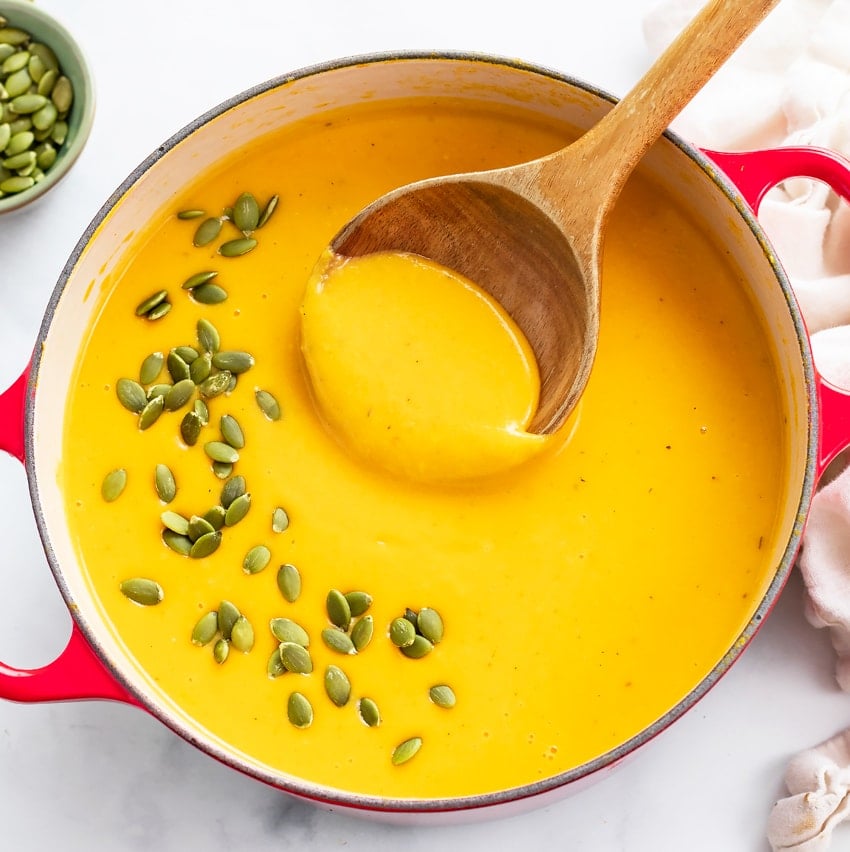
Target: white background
[(93, 775)]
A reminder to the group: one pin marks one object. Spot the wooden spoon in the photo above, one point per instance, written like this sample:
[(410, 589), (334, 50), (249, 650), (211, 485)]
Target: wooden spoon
[(531, 235)]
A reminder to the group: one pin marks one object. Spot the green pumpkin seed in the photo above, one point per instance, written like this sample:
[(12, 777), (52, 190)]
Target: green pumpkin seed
[(406, 750), (221, 651), (362, 632), (202, 410), (402, 633), (44, 118), (256, 559), (187, 353), (176, 523), (16, 61), (242, 635), (59, 132), (159, 389), (151, 368), (267, 211), (179, 395), (205, 630), (289, 582), (232, 432), (232, 489), (280, 520), (246, 213), (164, 483), (295, 658), (358, 602), (232, 248), (420, 647), (45, 77), (443, 696), (190, 428), (369, 713), (17, 183), (131, 395), (197, 279), (338, 609), (228, 615), (234, 361), (5, 135), (237, 510), (198, 527), (287, 630), (190, 214), (20, 163), (6, 50), (142, 591), (299, 711), (45, 155), (45, 54), (214, 516), (19, 143), (222, 469), (113, 485), (181, 544), (275, 667), (207, 231), (430, 624), (209, 294), (26, 104), (268, 404), (338, 641), (151, 302), (159, 311), (206, 545), (208, 336), (221, 452), (200, 368), (215, 385), (177, 367), (337, 685), (17, 84), (12, 35), (62, 94)]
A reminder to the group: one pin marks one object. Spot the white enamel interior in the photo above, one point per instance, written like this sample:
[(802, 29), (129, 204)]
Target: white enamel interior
[(279, 103)]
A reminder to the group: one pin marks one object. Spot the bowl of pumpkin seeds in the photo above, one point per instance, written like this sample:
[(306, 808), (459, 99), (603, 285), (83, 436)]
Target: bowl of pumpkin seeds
[(46, 102)]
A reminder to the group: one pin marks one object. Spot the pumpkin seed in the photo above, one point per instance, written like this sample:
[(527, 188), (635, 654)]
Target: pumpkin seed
[(275, 667), (231, 384), (187, 353), (237, 510), (222, 469), (159, 311), (280, 520), (151, 412), (208, 336), (289, 582), (164, 483), (369, 712), (232, 432), (28, 103), (338, 641), (228, 615), (206, 628), (442, 695), (234, 361), (267, 211), (268, 404), (233, 248), (337, 685), (215, 385), (242, 635), (45, 54), (402, 633), (362, 632), (151, 368), (5, 134), (159, 389), (206, 545), (246, 213), (190, 428), (197, 527), (221, 452), (131, 395), (178, 369), (113, 485), (295, 658), (287, 630), (197, 279), (13, 35), (62, 94), (44, 118), (179, 395), (19, 143), (256, 559), (202, 410), (358, 602), (221, 650), (233, 488), (190, 214), (142, 591), (406, 750), (207, 231), (420, 647), (148, 304), (59, 132), (209, 294), (181, 544), (176, 523), (338, 609), (299, 711), (16, 183), (200, 368), (430, 624)]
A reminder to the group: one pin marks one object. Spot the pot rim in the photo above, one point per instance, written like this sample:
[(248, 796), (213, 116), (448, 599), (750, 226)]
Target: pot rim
[(373, 803)]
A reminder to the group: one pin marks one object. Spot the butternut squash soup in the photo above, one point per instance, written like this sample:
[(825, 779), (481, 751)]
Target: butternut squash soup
[(332, 601)]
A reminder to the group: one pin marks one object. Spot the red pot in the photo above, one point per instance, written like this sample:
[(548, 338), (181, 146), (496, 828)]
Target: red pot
[(725, 188)]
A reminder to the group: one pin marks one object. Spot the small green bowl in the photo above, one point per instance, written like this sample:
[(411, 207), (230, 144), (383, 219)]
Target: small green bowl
[(24, 15)]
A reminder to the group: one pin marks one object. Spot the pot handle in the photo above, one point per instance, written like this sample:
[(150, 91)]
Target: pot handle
[(77, 672)]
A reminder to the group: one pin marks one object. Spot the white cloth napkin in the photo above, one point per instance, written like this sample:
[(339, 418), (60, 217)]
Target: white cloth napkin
[(789, 84)]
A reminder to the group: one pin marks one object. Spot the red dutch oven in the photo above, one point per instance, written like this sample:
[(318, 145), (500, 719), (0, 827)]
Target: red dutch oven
[(722, 190)]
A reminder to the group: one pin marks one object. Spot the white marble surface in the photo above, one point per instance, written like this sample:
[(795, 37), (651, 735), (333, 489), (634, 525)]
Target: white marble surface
[(90, 775)]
